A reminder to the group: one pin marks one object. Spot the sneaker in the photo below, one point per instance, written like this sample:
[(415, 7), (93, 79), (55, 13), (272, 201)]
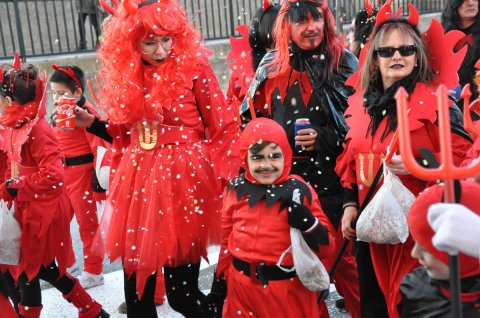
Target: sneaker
[(88, 280), (73, 270), (122, 309)]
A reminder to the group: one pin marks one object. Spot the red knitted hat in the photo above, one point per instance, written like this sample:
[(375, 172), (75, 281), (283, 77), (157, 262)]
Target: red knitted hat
[(423, 233)]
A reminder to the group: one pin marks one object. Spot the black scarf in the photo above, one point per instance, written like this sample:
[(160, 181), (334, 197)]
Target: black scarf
[(380, 103)]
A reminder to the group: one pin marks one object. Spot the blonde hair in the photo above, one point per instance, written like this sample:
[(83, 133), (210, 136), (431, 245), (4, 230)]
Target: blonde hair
[(370, 71)]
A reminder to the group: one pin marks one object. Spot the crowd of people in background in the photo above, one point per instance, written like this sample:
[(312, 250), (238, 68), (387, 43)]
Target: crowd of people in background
[(164, 165)]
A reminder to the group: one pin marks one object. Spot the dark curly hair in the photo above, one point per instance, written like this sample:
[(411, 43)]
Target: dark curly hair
[(19, 85)]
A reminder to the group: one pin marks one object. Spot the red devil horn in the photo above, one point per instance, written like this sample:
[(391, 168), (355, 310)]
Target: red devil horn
[(398, 14), (477, 65), (16, 62), (107, 7), (130, 8), (266, 5), (368, 7), (413, 18), (384, 13)]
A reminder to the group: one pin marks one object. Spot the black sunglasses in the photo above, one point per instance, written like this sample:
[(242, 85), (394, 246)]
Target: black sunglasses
[(405, 50)]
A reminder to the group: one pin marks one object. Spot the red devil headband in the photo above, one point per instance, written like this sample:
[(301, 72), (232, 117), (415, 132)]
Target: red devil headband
[(386, 13), (15, 66), (70, 72)]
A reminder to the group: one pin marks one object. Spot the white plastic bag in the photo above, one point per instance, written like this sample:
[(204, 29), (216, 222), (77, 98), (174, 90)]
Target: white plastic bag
[(308, 266), (10, 234), (384, 221)]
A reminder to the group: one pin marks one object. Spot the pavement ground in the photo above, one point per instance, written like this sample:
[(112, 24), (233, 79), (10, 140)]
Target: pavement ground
[(111, 295)]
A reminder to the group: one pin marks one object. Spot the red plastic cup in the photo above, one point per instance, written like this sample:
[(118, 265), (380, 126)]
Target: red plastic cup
[(65, 119)]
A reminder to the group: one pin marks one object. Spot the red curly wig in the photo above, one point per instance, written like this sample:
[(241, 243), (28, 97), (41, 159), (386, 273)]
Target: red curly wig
[(128, 85), (282, 34)]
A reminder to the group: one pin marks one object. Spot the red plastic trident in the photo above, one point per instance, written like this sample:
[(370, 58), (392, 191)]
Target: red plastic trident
[(447, 171), (467, 107)]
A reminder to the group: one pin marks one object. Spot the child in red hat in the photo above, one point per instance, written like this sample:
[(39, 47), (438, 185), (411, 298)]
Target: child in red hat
[(426, 291)]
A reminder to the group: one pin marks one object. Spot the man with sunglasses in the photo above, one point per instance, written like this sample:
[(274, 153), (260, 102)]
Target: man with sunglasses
[(304, 78)]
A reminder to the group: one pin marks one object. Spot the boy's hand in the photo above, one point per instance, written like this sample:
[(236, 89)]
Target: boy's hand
[(300, 217), (83, 118)]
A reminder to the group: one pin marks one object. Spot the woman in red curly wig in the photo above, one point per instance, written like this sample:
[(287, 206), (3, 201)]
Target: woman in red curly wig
[(168, 114)]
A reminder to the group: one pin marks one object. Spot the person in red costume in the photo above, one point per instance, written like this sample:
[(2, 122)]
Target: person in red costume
[(166, 109), (259, 208), (397, 55), (249, 50), (80, 150), (426, 291), (304, 77), (35, 185)]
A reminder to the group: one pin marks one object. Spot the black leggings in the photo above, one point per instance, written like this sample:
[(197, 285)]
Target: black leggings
[(8, 288), (183, 294), (372, 300), (31, 294)]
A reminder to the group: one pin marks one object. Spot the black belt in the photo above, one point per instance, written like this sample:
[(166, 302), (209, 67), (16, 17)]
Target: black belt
[(260, 272), (79, 160)]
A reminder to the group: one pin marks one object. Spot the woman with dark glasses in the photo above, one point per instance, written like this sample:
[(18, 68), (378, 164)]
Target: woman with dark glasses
[(396, 56)]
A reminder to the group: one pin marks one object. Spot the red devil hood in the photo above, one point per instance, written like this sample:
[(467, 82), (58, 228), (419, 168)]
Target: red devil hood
[(258, 131)]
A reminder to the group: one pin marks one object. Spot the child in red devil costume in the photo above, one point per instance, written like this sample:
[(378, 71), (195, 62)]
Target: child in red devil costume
[(426, 291), (36, 186), (259, 208), (80, 151), (167, 111), (372, 119), (304, 77)]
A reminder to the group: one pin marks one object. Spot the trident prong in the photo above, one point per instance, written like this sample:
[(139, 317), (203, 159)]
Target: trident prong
[(447, 171), (467, 107)]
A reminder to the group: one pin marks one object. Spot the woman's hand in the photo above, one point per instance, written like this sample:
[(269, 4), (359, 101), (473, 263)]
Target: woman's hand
[(83, 118), (306, 138), (396, 165), (349, 215)]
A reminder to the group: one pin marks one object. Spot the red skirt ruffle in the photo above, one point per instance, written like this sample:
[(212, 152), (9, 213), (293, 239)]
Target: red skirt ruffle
[(163, 209)]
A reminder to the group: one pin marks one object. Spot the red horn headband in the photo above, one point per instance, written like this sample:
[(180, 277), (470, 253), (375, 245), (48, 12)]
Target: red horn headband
[(266, 5), (108, 7), (386, 13), (16, 62), (132, 9), (368, 7), (69, 71)]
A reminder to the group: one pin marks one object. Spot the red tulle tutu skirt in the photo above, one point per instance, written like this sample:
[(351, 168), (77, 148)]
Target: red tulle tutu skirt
[(163, 209)]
